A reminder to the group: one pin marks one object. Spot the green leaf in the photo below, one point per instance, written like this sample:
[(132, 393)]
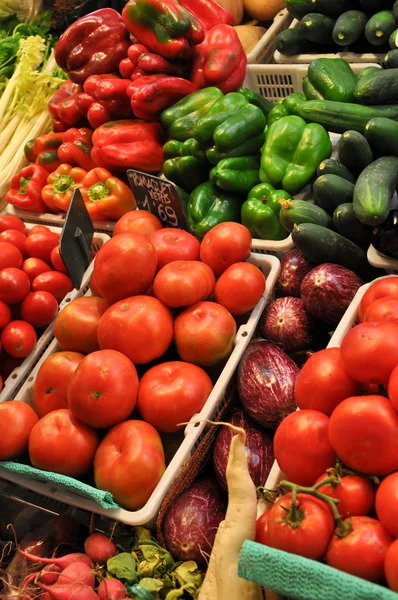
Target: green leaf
[(122, 566), (143, 534), (151, 584), (189, 577)]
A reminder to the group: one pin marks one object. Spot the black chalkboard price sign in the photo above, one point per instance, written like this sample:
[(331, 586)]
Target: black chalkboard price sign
[(160, 197)]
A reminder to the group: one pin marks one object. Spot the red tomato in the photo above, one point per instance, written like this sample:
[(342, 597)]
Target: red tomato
[(262, 529), (18, 339), (103, 389), (240, 287), (77, 323), (363, 431), (170, 393), (379, 289), (50, 390), (224, 245), (140, 327), (125, 266), (34, 267), (361, 552), (39, 309), (54, 282), (302, 448), (38, 229), (132, 447), (391, 566), (5, 314), (14, 237), (174, 244), (370, 351), (14, 285), (355, 494), (40, 244), (16, 422), (57, 262), (10, 222), (393, 388), (322, 382), (10, 256), (139, 222), (93, 285), (383, 309), (311, 538), (61, 443), (204, 334), (387, 503), (183, 283)]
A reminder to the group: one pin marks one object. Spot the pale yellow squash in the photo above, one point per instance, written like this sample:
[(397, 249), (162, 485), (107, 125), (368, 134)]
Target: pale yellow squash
[(263, 10), (235, 7), (249, 35)]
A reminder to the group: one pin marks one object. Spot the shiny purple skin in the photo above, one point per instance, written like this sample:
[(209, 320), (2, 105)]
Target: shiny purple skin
[(259, 449), (294, 267), (266, 379), (191, 522), (328, 290), (286, 322)]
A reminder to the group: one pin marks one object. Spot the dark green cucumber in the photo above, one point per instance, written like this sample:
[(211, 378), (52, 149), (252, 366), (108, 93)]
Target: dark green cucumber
[(340, 116), (391, 59), (393, 40), (331, 8), (334, 79), (298, 8), (317, 29), (331, 190), (354, 151), (374, 190), (395, 9), (330, 166), (378, 87), (365, 72), (322, 245), (294, 212), (347, 224), (291, 42), (379, 27), (349, 27), (382, 135), (309, 91)]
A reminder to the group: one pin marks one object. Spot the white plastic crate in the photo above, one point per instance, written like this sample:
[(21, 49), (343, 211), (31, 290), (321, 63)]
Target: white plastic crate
[(270, 266), (53, 220), (382, 262), (15, 380), (263, 51), (351, 57)]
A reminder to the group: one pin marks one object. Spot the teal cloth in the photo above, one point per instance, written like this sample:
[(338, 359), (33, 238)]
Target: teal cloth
[(104, 499), (302, 578)]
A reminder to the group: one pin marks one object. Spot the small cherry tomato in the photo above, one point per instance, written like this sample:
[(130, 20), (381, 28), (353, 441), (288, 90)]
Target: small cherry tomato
[(10, 256), (18, 339), (38, 229), (5, 314), (14, 237), (54, 282), (57, 262), (34, 267), (39, 308), (10, 222), (14, 285), (40, 245)]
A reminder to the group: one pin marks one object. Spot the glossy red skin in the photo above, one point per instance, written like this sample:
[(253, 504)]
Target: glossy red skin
[(311, 538), (174, 244), (18, 339), (383, 309), (391, 566), (38, 229), (140, 327), (183, 283), (57, 262), (204, 334), (379, 289), (393, 388), (240, 288), (387, 503), (11, 222), (14, 285), (53, 282), (355, 495), (262, 529), (103, 389), (170, 393), (34, 267), (39, 309), (16, 422), (323, 383), (5, 314), (286, 322), (76, 325), (50, 391), (14, 237), (302, 448), (93, 285), (224, 245), (361, 552), (374, 447), (140, 222), (10, 256), (40, 244), (132, 447)]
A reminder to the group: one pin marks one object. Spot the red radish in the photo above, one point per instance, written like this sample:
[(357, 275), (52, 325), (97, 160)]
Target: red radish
[(76, 591), (62, 562), (111, 589), (48, 575), (78, 572), (99, 548)]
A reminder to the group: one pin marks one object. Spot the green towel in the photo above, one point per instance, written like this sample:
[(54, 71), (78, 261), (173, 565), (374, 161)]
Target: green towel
[(104, 499), (302, 578)]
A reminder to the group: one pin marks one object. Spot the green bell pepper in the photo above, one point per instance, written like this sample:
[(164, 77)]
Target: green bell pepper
[(257, 100), (293, 151), (174, 148), (185, 171), (248, 123), (261, 220), (252, 146), (236, 174), (208, 206), (269, 196), (221, 110), (182, 116), (287, 106)]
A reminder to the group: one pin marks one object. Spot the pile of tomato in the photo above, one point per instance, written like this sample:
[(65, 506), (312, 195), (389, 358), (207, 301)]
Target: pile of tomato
[(348, 400)]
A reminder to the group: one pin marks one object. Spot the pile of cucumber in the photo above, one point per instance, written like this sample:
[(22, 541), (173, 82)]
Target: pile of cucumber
[(330, 26)]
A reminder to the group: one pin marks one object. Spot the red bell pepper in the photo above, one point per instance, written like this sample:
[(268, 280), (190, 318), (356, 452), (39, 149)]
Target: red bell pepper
[(163, 26), (76, 149), (26, 187), (106, 197), (219, 61), (208, 13), (141, 62), (104, 98), (128, 144), (49, 160), (94, 44), (44, 143), (58, 192), (150, 95), (62, 107)]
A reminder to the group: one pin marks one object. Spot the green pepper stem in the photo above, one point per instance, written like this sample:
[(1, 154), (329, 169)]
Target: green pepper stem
[(63, 183), (98, 191), (23, 184)]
